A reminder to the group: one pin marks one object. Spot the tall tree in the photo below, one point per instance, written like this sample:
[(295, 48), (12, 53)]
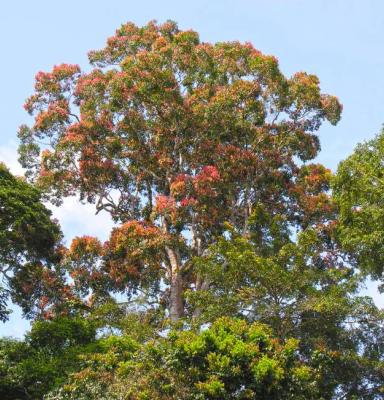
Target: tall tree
[(173, 137)]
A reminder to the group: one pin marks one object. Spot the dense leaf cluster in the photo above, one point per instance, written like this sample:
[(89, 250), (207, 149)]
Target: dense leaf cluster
[(29, 239)]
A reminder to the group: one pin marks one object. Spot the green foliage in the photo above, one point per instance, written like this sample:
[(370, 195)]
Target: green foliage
[(231, 359), (12, 354), (358, 190), (44, 360), (302, 287), (26, 228), (286, 284), (27, 235), (61, 333)]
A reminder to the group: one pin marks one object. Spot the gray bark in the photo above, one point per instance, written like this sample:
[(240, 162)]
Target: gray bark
[(176, 306)]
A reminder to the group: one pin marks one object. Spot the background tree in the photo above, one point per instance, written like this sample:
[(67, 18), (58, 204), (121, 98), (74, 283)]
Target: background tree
[(358, 189), (174, 137), (29, 244), (49, 353), (304, 286)]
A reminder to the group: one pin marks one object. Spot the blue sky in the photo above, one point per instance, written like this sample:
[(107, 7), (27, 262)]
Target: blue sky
[(341, 41)]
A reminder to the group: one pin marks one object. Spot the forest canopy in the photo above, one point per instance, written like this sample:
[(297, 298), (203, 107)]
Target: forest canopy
[(235, 266)]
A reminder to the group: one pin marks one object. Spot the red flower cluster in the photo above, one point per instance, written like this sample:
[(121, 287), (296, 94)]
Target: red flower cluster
[(57, 112), (165, 204), (46, 81)]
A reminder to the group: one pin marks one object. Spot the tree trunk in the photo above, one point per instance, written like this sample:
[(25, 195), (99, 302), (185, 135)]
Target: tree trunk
[(176, 305), (176, 309)]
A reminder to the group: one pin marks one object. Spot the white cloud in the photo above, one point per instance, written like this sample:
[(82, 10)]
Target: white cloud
[(78, 219), (8, 155)]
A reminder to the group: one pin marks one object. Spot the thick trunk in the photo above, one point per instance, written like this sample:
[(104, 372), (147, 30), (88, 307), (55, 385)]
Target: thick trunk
[(176, 306)]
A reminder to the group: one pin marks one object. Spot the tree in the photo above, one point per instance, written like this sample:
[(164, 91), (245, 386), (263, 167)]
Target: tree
[(358, 189), (300, 290), (29, 241), (174, 138), (43, 361)]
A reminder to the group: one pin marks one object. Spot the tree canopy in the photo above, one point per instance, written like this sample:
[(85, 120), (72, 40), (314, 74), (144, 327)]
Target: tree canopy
[(176, 138)]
